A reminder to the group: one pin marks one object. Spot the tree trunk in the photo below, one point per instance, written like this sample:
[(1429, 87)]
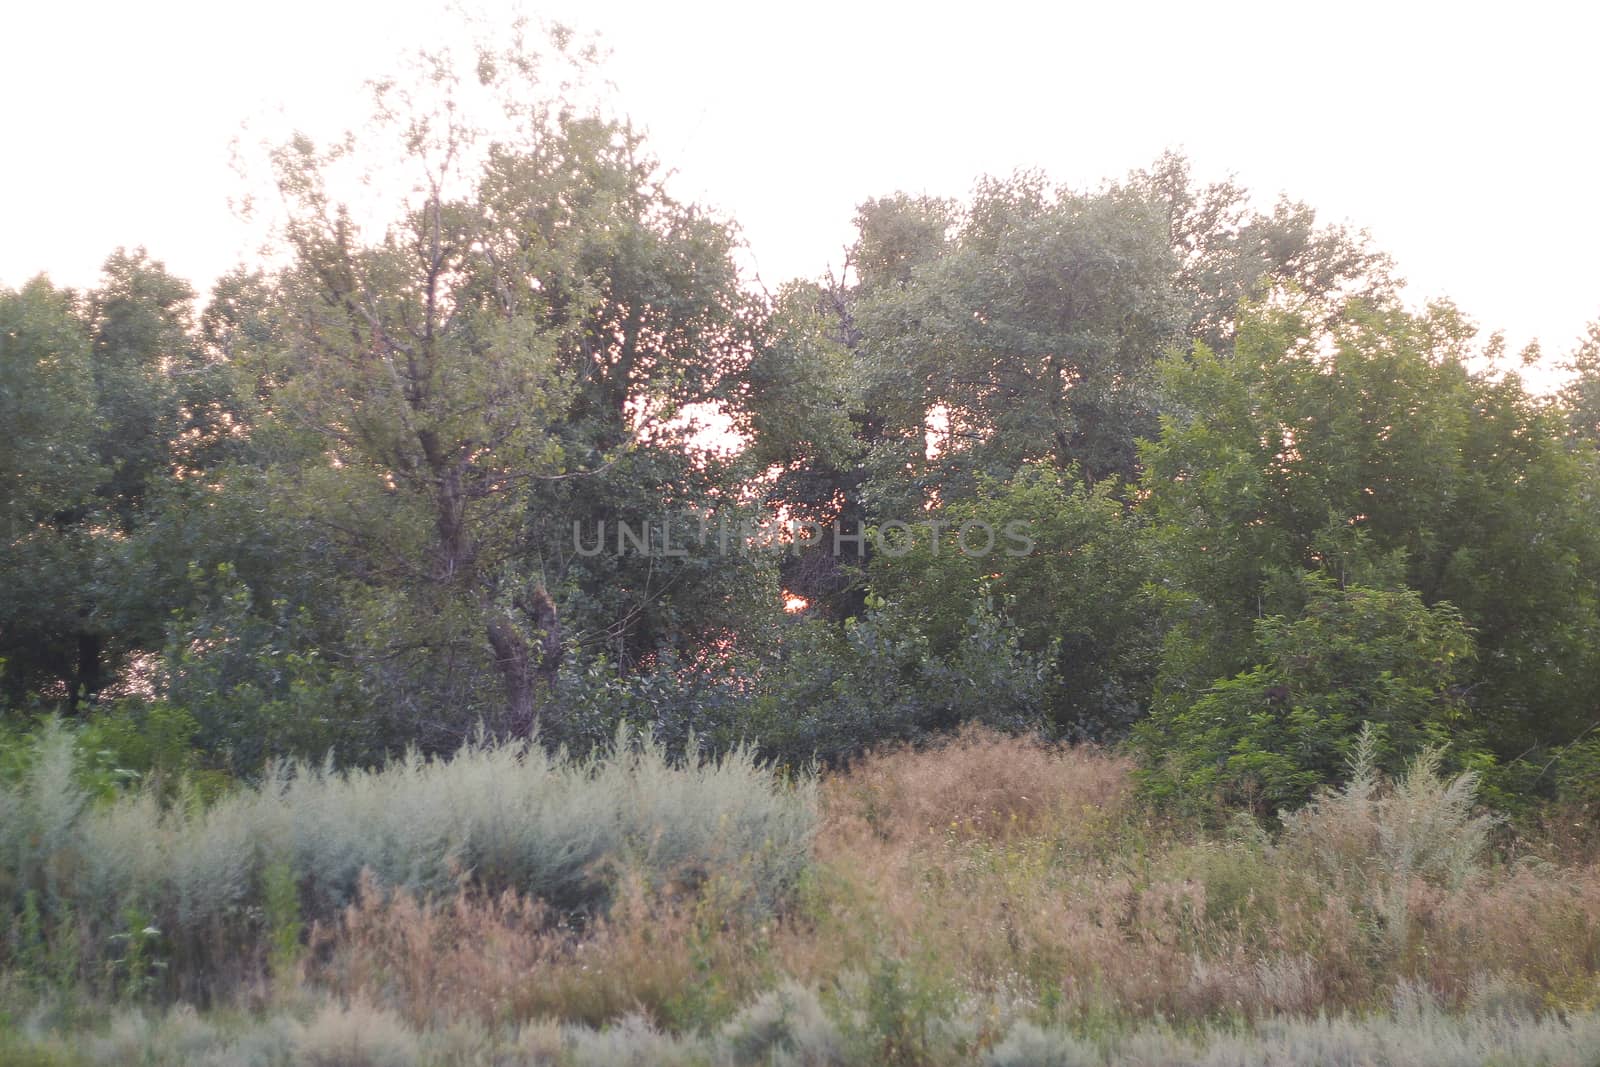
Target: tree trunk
[(457, 553), (520, 673), (88, 679), (542, 611), (512, 658)]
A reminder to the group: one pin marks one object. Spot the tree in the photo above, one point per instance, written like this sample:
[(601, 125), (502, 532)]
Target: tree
[(1030, 337), (115, 406), (1376, 456), (806, 416), (49, 469), (1580, 397), (1065, 565), (163, 406), (540, 309), (660, 335), (1018, 328), (1229, 254), (636, 558)]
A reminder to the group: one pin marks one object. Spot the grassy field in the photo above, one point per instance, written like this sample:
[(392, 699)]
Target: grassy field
[(990, 901)]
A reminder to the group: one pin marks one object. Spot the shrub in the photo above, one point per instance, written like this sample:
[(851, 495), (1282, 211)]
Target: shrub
[(837, 694), (784, 1027), (826, 693), (506, 817), (1077, 598), (1422, 826), (1577, 772), (1269, 737), (788, 1029), (1422, 1037), (255, 683), (122, 744)]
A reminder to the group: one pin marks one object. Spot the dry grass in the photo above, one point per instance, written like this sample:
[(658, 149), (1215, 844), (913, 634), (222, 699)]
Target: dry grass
[(963, 893), (678, 959), (1534, 928), (1018, 872), (979, 784), (993, 870)]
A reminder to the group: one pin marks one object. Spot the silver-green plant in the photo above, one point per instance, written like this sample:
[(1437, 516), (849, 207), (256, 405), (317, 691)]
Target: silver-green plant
[(498, 816), (1375, 836)]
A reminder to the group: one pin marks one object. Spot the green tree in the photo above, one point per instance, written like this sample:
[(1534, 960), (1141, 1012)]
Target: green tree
[(810, 428), (653, 331), (1229, 254), (644, 560), (167, 420), (1065, 565), (133, 408), (164, 407), (1580, 396), (49, 469), (1031, 337), (1375, 455), (423, 359), (541, 312)]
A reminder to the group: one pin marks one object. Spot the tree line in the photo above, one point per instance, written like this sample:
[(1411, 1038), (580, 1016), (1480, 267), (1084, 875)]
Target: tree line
[(330, 507)]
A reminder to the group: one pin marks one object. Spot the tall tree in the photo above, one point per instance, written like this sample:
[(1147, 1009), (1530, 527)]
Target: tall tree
[(1229, 253), (1580, 396), (157, 413), (49, 469), (149, 378), (540, 310), (810, 431), (1032, 336)]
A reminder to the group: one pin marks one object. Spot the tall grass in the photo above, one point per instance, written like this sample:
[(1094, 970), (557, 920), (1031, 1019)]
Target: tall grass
[(1008, 871), (989, 900), (494, 817), (1002, 872)]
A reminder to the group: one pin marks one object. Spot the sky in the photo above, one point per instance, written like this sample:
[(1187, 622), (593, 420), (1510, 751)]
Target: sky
[(1463, 138)]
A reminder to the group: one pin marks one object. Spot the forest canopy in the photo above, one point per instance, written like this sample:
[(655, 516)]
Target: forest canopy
[(404, 483)]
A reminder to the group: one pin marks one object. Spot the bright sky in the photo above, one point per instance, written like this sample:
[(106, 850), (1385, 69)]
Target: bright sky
[(1464, 138)]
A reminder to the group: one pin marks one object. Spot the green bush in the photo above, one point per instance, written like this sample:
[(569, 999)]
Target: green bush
[(1077, 598), (1577, 773), (836, 694), (1268, 738), (122, 744), (677, 702), (258, 685), (828, 693)]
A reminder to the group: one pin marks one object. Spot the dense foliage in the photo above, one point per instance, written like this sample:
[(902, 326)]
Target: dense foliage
[(453, 472), (1088, 626)]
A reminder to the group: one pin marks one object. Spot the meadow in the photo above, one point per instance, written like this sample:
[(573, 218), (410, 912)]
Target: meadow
[(989, 899)]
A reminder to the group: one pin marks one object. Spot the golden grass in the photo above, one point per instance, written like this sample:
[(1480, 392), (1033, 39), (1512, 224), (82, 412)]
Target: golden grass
[(997, 871), (979, 784)]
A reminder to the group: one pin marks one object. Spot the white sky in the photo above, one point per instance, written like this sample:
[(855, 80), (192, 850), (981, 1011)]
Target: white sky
[(1464, 138)]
